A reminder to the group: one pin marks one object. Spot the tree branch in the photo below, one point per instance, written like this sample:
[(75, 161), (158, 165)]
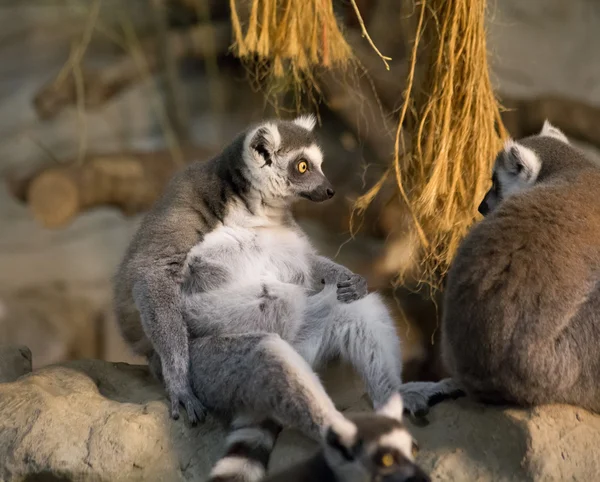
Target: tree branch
[(103, 84)]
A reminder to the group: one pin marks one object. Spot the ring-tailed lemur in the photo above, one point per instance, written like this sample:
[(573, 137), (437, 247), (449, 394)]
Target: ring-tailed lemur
[(379, 449), (521, 315), (223, 292)]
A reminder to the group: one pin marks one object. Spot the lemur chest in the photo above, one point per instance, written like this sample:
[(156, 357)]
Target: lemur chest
[(248, 253)]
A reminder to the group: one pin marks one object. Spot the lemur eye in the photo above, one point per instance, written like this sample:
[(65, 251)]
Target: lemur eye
[(302, 167), (387, 459)]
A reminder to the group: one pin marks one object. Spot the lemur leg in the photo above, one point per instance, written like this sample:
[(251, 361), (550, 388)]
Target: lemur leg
[(362, 332), (261, 373), (155, 367), (158, 300)]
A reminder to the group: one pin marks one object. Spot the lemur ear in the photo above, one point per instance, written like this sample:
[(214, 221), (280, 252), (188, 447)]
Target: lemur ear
[(393, 408), (340, 438), (307, 121), (264, 142), (520, 161), (340, 445), (549, 130)]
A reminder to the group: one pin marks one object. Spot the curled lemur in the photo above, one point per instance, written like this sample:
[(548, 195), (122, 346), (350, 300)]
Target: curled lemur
[(224, 294), (379, 448), (521, 316)]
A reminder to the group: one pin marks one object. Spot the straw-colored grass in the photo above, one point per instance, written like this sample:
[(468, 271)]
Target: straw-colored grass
[(456, 135), (298, 33), (286, 42)]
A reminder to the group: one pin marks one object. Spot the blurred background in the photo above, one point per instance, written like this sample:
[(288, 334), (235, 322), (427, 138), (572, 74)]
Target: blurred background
[(101, 100)]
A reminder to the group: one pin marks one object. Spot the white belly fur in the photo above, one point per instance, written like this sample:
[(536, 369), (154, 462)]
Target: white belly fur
[(250, 255), (272, 259)]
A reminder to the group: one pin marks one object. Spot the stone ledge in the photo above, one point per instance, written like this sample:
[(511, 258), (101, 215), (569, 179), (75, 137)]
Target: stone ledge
[(92, 420)]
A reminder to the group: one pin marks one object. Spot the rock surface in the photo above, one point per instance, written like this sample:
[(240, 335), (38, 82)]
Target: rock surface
[(93, 420), (97, 421), (469, 441)]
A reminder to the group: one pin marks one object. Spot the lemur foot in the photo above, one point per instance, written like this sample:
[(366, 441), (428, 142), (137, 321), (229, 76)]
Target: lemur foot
[(351, 288), (196, 412), (418, 397)]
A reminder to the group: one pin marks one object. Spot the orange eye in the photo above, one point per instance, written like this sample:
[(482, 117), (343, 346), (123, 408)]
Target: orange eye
[(302, 167), (387, 460)]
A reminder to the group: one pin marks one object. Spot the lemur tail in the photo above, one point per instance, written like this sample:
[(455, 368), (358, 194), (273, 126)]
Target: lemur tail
[(248, 450)]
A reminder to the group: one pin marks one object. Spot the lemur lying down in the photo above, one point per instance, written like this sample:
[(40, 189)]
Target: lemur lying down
[(377, 448)]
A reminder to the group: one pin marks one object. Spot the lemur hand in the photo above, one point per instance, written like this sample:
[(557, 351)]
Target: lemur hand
[(351, 288), (182, 394)]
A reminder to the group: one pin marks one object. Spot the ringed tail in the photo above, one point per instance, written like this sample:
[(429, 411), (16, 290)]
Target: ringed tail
[(248, 450)]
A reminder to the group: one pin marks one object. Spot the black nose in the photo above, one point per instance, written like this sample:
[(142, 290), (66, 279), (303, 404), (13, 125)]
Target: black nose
[(483, 208), (330, 192)]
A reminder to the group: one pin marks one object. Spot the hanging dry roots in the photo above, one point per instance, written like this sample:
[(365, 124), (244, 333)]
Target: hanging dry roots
[(297, 32), (285, 40), (457, 132)]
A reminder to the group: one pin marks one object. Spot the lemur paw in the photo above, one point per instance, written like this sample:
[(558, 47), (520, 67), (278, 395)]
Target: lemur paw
[(196, 412), (418, 397), (416, 403), (351, 288)]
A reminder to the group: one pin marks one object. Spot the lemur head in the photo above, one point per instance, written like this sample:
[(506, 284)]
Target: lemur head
[(523, 163), (284, 160), (380, 449)]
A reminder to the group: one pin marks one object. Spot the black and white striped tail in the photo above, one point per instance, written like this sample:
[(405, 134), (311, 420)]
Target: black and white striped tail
[(247, 453)]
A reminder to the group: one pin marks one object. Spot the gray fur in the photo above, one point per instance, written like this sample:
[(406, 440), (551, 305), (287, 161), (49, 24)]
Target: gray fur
[(360, 332), (202, 275), (241, 373), (222, 286), (521, 321)]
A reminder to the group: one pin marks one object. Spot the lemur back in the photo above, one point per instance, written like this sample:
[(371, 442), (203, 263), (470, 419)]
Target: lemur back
[(521, 315), (521, 311), (381, 448)]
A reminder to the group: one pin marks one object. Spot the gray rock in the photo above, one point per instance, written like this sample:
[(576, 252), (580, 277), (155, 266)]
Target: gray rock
[(98, 421), (465, 441)]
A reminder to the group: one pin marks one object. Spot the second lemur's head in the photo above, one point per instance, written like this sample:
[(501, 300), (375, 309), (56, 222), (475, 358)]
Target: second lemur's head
[(373, 447), (522, 164), (284, 160)]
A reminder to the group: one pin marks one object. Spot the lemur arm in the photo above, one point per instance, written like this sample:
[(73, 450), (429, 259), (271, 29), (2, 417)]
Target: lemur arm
[(166, 236), (158, 298), (328, 271), (350, 286)]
